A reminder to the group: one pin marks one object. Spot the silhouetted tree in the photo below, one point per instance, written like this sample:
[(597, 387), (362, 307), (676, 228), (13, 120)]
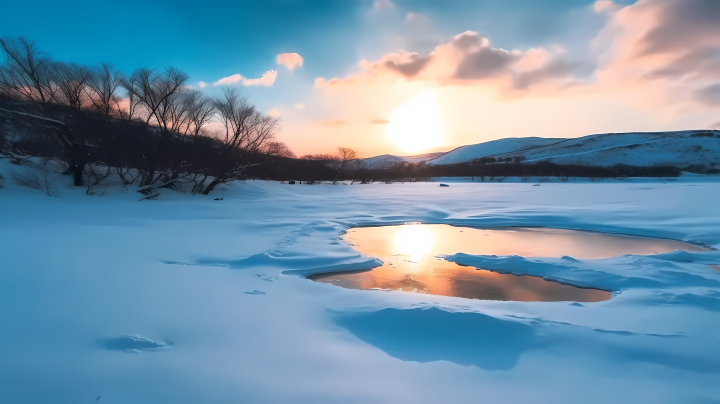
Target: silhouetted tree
[(342, 162), (279, 149), (165, 101), (245, 132)]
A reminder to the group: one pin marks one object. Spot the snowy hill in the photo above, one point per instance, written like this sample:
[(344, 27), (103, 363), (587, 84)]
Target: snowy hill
[(494, 147), (386, 160), (680, 148)]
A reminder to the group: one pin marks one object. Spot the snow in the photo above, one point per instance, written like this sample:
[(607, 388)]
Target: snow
[(195, 300), (387, 160), (491, 148), (681, 148)]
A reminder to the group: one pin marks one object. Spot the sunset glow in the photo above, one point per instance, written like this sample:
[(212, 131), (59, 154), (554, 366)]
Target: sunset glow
[(415, 125)]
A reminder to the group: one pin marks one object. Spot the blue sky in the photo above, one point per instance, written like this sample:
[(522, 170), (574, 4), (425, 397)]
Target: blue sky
[(217, 38)]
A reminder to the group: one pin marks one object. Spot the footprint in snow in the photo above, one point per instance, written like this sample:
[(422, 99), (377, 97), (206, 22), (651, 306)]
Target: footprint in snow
[(265, 277), (255, 292), (133, 344)]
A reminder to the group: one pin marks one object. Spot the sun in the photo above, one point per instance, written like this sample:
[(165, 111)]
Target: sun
[(415, 125)]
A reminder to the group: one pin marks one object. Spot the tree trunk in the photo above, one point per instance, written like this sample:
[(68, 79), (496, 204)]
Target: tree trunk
[(211, 186), (77, 157)]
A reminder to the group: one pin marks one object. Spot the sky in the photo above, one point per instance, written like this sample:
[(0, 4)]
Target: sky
[(409, 77)]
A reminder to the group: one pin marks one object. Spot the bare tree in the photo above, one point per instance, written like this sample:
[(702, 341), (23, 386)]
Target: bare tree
[(200, 113), (318, 157), (342, 162), (29, 75), (101, 90), (95, 174), (279, 149), (33, 181), (163, 98), (245, 132), (26, 73), (71, 80)]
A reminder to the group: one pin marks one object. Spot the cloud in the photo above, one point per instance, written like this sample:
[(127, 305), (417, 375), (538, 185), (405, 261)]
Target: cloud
[(383, 5), (235, 78), (485, 62), (334, 122), (467, 58), (683, 25), (266, 80), (667, 52), (289, 60), (601, 6), (379, 121), (558, 68), (710, 94), (202, 84), (299, 105), (275, 113), (408, 64), (416, 18)]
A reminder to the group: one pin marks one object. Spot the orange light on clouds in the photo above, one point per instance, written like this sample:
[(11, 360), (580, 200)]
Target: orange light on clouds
[(289, 60), (467, 90)]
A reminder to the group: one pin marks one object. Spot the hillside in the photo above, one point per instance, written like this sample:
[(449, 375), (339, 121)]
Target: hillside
[(681, 148), (491, 148), (386, 160)]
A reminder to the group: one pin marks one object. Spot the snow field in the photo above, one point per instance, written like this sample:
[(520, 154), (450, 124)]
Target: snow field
[(77, 271)]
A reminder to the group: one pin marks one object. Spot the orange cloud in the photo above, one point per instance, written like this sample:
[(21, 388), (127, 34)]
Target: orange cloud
[(289, 60), (467, 58), (334, 122)]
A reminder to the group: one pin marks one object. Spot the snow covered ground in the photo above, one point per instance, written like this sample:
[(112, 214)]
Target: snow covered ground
[(211, 290), (387, 160), (681, 148), (492, 148)]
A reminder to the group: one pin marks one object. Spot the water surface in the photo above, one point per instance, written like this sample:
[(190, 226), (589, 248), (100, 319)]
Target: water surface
[(409, 252)]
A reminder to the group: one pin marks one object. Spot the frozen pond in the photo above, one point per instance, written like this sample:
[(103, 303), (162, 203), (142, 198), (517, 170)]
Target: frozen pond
[(410, 264)]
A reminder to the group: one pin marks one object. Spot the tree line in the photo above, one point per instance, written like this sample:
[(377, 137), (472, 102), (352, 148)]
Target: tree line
[(149, 127)]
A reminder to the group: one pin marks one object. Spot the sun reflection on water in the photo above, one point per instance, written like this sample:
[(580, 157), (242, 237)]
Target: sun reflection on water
[(410, 260), (413, 240)]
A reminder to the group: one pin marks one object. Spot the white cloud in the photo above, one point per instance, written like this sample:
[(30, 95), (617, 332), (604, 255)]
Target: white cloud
[(299, 105), (275, 113), (202, 84), (230, 80), (266, 80), (601, 6), (289, 60), (416, 18), (383, 4)]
